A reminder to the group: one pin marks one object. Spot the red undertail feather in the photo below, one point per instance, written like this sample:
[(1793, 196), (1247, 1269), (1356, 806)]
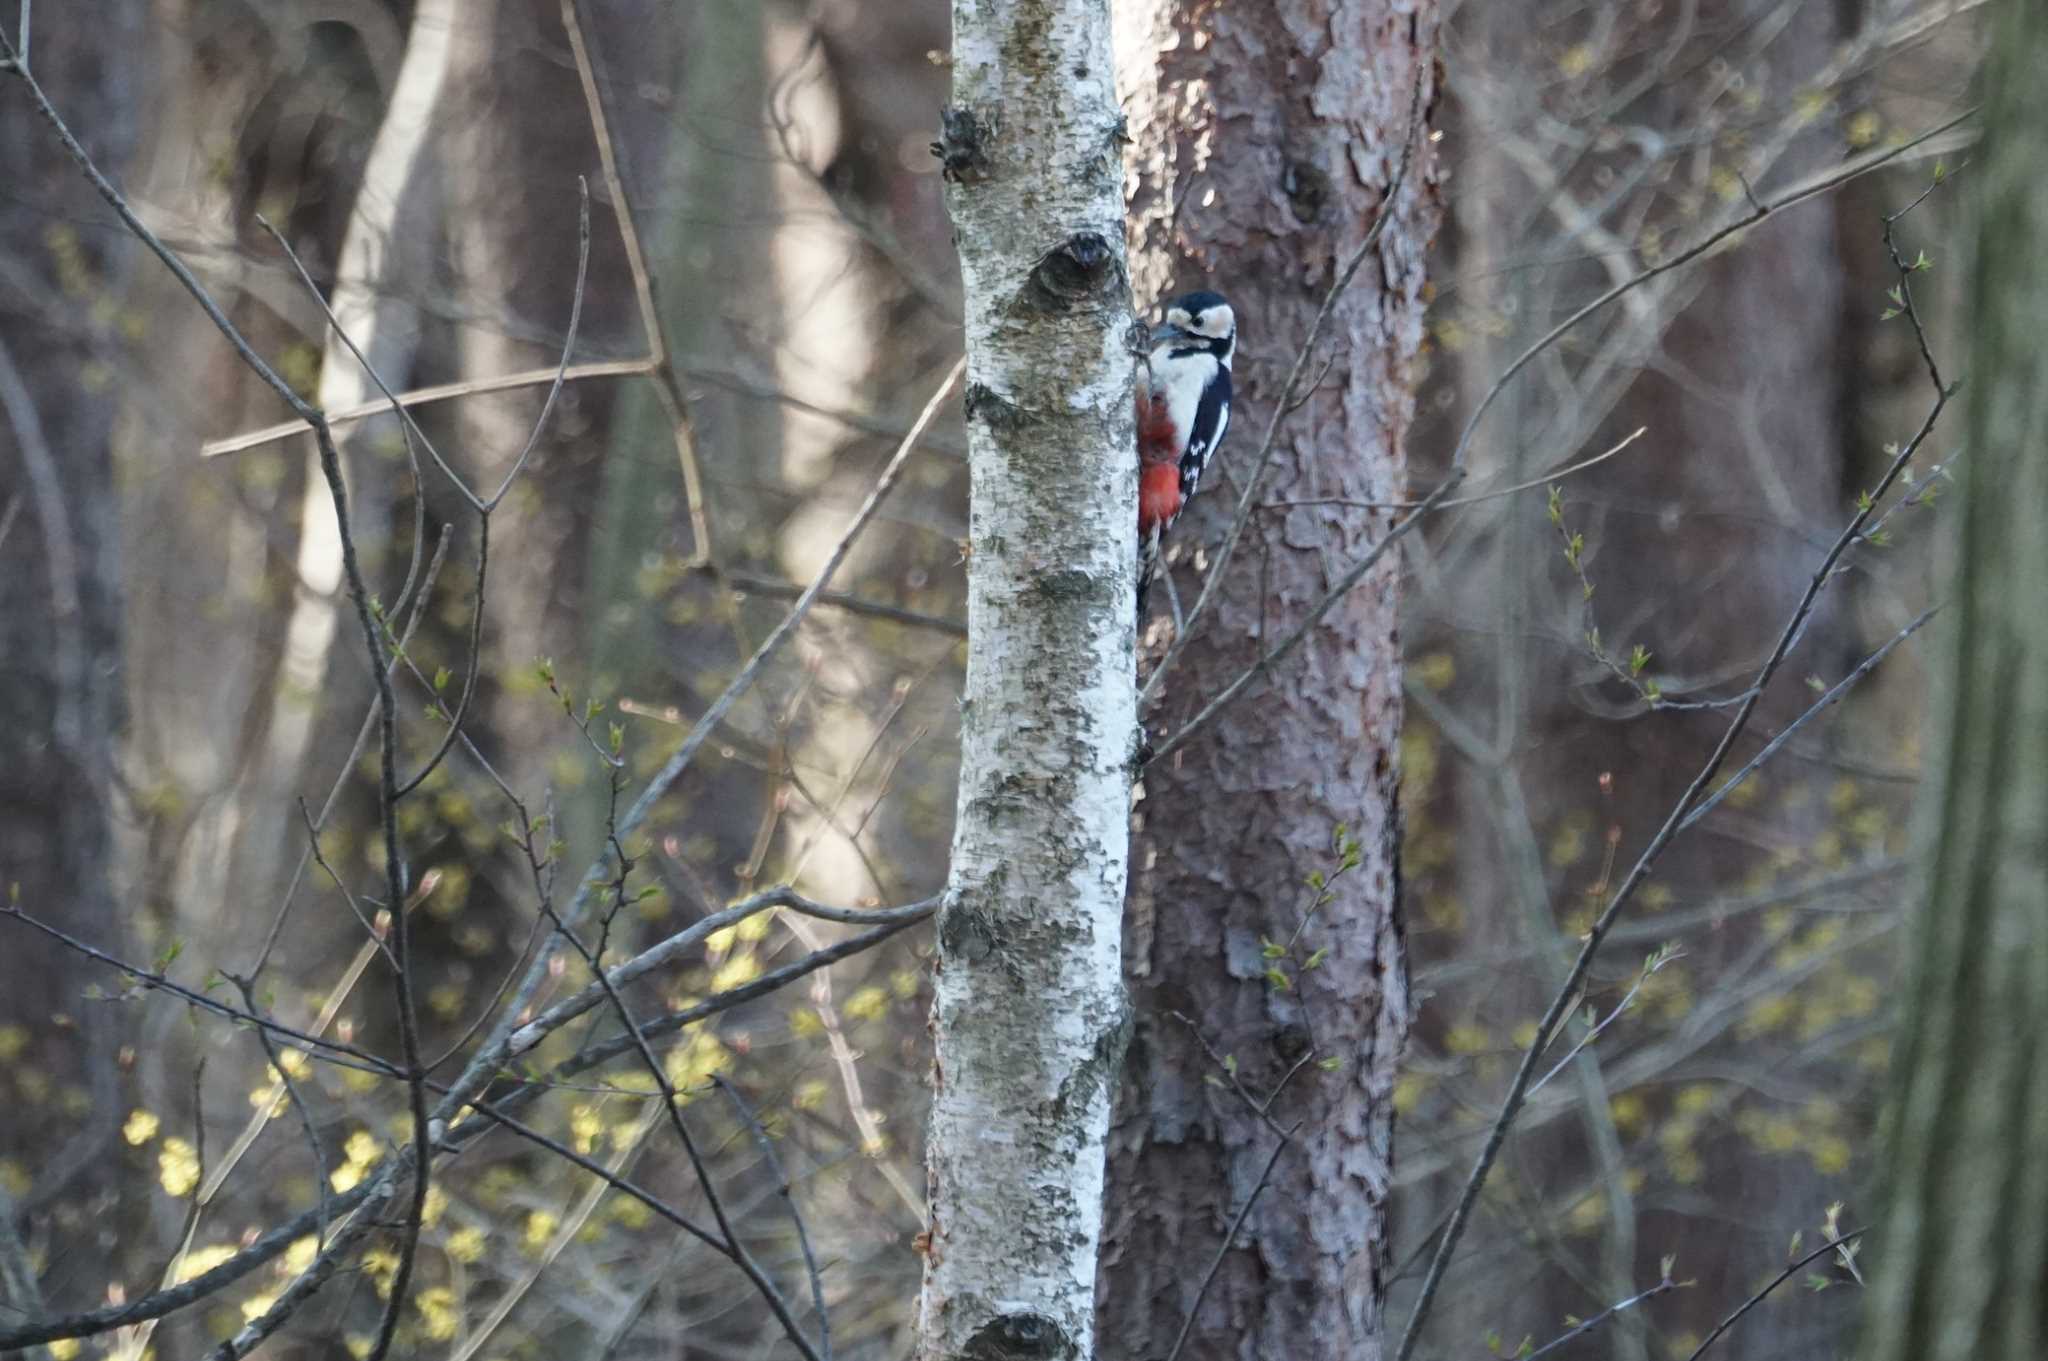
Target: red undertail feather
[(1159, 448), (1158, 496)]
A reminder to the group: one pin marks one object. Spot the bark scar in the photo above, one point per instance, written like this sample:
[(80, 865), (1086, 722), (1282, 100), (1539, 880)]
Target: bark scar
[(1018, 1337), (963, 145), (1082, 267)]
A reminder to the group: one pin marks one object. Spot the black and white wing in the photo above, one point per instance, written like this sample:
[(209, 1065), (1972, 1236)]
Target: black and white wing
[(1206, 431)]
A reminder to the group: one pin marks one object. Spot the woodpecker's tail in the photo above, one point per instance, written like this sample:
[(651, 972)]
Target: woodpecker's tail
[(1148, 563)]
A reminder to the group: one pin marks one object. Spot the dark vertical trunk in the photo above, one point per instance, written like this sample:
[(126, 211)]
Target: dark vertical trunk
[(1962, 1247), (60, 655), (1698, 542), (1266, 141)]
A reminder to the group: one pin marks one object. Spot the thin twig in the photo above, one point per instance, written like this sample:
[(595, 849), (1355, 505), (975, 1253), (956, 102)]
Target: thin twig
[(1230, 1236), (671, 1103), (1661, 1287), (689, 938), (672, 769), (796, 1217), (417, 604), (756, 584), (1833, 696), (304, 409), (1760, 1296), (772, 981), (1694, 792), (1546, 479), (333, 1051), (661, 364), (428, 396), (1662, 958)]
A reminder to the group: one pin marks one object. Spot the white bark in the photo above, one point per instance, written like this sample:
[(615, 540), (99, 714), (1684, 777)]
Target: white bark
[(371, 304), (1028, 1016)]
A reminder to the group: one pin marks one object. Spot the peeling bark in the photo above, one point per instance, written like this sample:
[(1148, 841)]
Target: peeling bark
[(1027, 1014), (1266, 140)]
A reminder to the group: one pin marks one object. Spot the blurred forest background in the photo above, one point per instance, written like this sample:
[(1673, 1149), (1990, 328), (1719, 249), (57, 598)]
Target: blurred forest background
[(771, 300)]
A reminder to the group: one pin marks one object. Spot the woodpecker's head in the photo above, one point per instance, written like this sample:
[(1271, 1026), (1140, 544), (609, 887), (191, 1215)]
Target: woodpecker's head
[(1201, 321)]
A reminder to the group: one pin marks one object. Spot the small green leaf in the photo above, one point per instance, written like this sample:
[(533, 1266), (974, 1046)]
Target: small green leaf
[(442, 675)]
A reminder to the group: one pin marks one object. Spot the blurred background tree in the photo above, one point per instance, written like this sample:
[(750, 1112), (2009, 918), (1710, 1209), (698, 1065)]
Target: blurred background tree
[(1962, 1250)]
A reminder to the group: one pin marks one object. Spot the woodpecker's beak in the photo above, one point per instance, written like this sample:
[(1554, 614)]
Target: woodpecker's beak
[(1166, 331)]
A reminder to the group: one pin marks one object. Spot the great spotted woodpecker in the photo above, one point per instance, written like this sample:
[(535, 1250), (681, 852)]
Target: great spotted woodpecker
[(1183, 411)]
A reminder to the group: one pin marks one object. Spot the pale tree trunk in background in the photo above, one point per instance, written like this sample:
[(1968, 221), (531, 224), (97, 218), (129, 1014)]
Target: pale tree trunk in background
[(1962, 1247), (1266, 140), (1028, 1011), (386, 256), (60, 654)]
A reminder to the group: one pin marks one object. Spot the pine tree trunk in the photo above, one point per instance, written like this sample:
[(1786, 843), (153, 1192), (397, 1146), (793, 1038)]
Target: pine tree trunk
[(1266, 140), (1028, 1009), (1962, 1246)]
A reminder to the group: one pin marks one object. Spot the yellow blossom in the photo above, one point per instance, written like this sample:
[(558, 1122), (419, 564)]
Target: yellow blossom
[(178, 1167)]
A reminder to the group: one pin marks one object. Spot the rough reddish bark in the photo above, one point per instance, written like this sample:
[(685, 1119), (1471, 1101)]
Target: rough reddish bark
[(1266, 140)]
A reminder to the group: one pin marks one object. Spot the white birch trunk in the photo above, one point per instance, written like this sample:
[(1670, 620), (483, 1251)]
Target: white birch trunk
[(371, 305), (1028, 1016)]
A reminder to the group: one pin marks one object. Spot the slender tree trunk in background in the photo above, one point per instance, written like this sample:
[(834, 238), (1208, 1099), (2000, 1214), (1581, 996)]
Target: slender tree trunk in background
[(385, 262), (1028, 1011), (1962, 1245), (1700, 540), (1266, 141), (60, 656)]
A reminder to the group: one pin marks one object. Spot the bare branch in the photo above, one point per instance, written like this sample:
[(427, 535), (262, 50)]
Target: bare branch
[(1674, 822), (1760, 1296)]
